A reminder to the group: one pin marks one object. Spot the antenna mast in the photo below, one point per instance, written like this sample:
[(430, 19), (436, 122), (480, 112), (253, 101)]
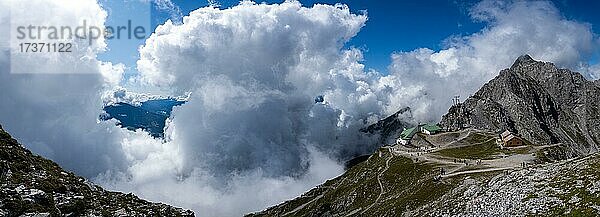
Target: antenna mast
[(456, 100)]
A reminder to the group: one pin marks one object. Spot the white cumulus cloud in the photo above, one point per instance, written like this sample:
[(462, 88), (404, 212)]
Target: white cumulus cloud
[(251, 125)]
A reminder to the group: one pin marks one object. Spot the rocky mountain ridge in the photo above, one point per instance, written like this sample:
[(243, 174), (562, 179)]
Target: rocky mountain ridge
[(542, 103), (33, 186)]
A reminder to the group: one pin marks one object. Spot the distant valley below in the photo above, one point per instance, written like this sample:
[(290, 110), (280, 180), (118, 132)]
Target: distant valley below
[(149, 116)]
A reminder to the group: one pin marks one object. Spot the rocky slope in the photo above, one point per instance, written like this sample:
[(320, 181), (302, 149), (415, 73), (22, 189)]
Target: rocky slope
[(34, 186), (568, 188), (542, 103), (411, 188)]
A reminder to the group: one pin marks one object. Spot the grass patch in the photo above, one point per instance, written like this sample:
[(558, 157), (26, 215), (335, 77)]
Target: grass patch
[(478, 138), (486, 150)]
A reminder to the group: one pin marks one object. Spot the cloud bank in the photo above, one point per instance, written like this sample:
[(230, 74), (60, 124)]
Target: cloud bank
[(120, 94), (251, 126), (253, 71)]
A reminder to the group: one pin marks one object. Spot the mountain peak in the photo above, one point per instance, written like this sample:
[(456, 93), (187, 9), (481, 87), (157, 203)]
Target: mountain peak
[(523, 59), (542, 103)]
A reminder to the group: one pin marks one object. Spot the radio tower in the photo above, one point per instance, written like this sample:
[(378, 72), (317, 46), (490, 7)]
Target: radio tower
[(456, 100)]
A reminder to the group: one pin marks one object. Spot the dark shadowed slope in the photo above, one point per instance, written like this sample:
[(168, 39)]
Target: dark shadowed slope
[(34, 185), (388, 128)]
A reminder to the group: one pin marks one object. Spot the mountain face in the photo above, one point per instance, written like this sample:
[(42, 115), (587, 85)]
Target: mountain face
[(388, 128), (34, 186), (538, 101)]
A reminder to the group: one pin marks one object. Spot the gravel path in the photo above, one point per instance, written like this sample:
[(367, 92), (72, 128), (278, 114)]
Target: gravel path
[(476, 171), (387, 166)]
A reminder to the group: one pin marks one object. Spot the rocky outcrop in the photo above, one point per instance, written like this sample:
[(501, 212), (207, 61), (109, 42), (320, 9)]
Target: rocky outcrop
[(34, 186), (391, 126), (542, 103)]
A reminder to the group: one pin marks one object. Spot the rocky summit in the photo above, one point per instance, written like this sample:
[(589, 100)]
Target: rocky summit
[(34, 186), (538, 101), (524, 145)]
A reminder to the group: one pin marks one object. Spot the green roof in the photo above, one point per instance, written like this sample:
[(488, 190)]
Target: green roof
[(408, 133), (432, 128)]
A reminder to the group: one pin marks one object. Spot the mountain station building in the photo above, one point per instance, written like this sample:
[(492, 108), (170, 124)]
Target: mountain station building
[(408, 134), (510, 140)]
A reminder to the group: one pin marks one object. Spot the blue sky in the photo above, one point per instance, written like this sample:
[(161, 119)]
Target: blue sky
[(393, 25)]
